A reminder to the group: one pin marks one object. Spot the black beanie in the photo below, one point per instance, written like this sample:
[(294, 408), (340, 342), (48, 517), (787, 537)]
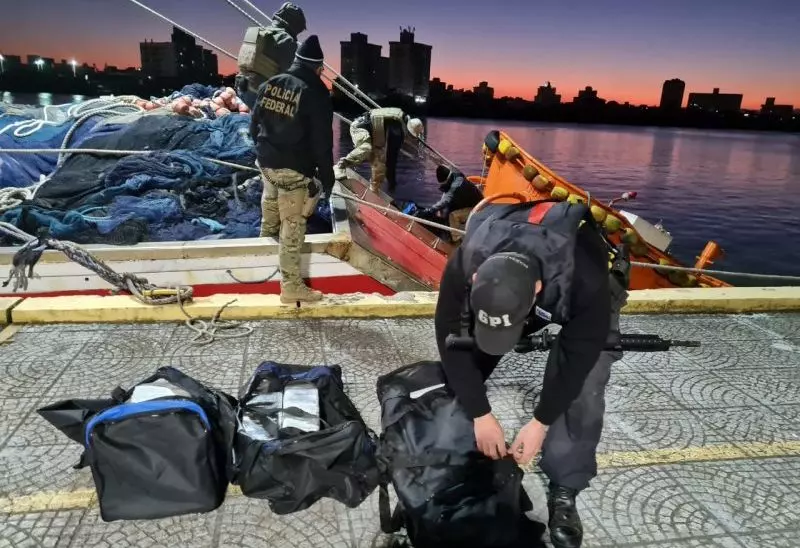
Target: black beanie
[(310, 51), (442, 173)]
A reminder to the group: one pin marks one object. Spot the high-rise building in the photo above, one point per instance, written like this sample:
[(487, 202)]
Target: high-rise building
[(588, 97), (672, 94), (362, 64), (547, 96), (409, 65), (716, 101), (769, 108), (181, 59), (483, 90)]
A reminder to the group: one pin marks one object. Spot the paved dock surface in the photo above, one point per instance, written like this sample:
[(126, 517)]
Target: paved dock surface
[(701, 446)]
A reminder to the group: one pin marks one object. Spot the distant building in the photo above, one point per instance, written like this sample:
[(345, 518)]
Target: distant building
[(409, 65), (672, 94), (587, 97), (769, 108), (546, 96), (437, 89), (46, 62), (716, 101), (362, 64), (11, 62), (483, 90), (180, 59)]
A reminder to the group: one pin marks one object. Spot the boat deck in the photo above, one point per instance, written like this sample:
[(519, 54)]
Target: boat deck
[(701, 446)]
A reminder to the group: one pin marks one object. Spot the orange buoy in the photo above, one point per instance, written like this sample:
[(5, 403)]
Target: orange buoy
[(710, 253)]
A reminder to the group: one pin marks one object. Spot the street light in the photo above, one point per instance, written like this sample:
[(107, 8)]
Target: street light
[(74, 64), (39, 63)]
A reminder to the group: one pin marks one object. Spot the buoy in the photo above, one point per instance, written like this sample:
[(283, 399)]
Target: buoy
[(540, 182), (598, 213), (504, 145), (612, 224), (630, 236), (529, 172), (559, 193), (575, 199), (512, 153)]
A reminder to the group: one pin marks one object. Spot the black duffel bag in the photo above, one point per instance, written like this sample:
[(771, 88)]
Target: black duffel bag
[(161, 449), (291, 466), (449, 494)]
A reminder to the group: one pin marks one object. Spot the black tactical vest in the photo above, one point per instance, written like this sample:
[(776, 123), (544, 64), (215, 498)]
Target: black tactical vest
[(545, 231)]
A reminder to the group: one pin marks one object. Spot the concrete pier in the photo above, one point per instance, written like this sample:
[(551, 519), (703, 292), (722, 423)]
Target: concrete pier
[(701, 446)]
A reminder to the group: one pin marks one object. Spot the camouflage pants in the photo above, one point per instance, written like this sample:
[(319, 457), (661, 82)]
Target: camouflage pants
[(458, 219), (285, 206), (363, 151)]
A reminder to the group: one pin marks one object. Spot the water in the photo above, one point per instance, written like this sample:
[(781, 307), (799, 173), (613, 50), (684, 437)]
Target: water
[(741, 189)]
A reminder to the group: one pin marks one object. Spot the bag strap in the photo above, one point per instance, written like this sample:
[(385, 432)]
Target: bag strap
[(391, 522)]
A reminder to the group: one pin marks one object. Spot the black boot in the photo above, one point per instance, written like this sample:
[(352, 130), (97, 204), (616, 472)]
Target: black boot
[(566, 530)]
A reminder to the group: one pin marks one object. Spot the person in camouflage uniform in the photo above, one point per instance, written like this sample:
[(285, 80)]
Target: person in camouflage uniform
[(377, 137), (292, 125)]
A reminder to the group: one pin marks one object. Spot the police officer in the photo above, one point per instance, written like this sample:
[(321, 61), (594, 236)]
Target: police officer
[(459, 196), (292, 125), (378, 136), (268, 51), (519, 268)]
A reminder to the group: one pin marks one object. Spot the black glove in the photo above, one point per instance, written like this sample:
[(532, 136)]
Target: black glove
[(313, 188), (621, 267)]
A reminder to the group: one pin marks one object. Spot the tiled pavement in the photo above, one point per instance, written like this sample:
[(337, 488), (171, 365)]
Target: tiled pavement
[(736, 395)]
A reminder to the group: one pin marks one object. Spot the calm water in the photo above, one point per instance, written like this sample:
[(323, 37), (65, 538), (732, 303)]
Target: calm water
[(741, 189)]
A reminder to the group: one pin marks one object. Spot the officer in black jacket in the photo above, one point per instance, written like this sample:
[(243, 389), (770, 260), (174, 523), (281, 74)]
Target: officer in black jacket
[(292, 126), (459, 196), (520, 268)]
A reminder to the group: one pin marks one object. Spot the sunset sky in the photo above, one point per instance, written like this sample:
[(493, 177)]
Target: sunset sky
[(623, 48)]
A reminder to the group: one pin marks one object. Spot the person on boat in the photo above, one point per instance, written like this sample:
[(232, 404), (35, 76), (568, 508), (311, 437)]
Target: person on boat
[(520, 268), (459, 197), (268, 51), (292, 125), (377, 137)]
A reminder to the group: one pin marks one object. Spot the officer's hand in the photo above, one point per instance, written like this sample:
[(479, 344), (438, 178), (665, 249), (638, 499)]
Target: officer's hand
[(528, 442), (489, 437)]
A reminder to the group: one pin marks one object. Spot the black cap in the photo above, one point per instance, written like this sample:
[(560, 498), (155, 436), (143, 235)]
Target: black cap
[(442, 173), (292, 17), (310, 51), (502, 296)]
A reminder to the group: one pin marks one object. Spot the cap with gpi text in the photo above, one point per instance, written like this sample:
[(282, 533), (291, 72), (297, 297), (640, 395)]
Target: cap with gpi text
[(502, 296)]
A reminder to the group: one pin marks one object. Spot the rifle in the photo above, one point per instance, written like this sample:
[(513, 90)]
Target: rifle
[(544, 341)]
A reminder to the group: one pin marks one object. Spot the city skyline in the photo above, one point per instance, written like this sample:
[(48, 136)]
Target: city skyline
[(626, 62)]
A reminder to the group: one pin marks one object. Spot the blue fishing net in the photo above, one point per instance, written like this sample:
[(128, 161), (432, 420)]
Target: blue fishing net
[(175, 194)]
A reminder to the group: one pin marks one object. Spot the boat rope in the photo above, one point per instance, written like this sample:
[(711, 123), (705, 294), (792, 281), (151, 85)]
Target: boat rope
[(241, 10), (716, 272), (29, 254), (400, 214), (207, 332), (184, 29), (115, 152), (255, 8)]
